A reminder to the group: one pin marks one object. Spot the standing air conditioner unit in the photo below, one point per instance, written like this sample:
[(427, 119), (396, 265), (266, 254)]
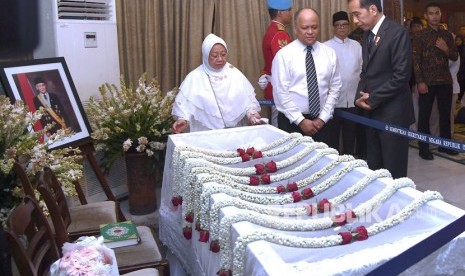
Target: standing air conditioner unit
[(84, 33)]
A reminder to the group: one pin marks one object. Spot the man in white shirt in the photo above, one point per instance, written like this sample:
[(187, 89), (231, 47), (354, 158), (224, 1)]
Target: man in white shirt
[(349, 56), (289, 80)]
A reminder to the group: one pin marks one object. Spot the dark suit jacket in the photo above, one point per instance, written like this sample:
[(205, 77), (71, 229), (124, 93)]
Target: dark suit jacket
[(57, 107), (386, 74)]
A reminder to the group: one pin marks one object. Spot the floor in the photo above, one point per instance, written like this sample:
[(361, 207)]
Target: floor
[(440, 174)]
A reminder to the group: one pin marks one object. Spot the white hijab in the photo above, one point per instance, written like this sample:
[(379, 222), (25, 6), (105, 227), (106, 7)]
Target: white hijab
[(214, 98)]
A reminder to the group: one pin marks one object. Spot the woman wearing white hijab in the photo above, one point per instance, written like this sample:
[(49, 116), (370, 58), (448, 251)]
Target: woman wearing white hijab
[(215, 95)]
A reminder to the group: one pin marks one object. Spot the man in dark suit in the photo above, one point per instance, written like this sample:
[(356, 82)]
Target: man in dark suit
[(384, 93), (53, 108)]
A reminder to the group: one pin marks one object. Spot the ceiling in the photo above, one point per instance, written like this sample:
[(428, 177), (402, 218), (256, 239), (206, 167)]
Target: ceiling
[(446, 5)]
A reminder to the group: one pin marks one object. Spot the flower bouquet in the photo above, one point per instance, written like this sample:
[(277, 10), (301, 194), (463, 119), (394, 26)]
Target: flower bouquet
[(18, 143), (87, 257), (131, 120)]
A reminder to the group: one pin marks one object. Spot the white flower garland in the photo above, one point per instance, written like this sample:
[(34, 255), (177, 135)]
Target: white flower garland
[(332, 240), (192, 187), (262, 216), (179, 163), (236, 173), (213, 188), (360, 185), (233, 153), (279, 223), (209, 174), (291, 145), (211, 218)]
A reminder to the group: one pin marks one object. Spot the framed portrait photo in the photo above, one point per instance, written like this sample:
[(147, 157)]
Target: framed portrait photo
[(47, 83)]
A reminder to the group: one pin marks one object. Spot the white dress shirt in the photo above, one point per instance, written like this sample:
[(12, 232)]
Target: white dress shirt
[(46, 97), (378, 25), (289, 80), (349, 56)]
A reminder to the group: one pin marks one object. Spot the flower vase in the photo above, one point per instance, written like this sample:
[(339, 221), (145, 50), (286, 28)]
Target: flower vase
[(142, 181)]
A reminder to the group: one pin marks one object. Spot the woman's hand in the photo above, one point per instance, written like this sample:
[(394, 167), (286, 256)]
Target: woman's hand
[(254, 119), (180, 125)]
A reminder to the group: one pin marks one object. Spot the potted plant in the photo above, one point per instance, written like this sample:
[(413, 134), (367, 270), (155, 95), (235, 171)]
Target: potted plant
[(18, 143), (133, 123)]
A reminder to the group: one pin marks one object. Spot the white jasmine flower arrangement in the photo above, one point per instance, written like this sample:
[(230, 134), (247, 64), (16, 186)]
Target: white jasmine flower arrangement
[(129, 119), (18, 143)]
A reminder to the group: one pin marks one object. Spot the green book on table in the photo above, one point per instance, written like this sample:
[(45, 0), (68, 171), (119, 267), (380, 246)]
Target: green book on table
[(119, 234)]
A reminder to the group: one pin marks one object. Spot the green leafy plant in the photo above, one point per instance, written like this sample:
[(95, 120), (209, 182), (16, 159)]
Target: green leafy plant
[(129, 119)]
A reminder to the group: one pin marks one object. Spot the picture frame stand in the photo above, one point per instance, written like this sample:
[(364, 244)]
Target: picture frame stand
[(88, 152)]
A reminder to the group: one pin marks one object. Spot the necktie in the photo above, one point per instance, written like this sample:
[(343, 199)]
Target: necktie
[(312, 85), (47, 102), (371, 38)]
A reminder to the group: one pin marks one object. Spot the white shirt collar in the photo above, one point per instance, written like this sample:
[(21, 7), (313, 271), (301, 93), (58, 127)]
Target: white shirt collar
[(341, 41), (304, 46), (376, 27)]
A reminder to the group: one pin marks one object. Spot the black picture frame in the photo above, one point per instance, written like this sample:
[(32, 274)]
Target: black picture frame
[(20, 80)]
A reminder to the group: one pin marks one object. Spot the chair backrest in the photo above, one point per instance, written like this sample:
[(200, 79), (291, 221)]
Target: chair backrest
[(30, 239), (25, 182), (50, 189)]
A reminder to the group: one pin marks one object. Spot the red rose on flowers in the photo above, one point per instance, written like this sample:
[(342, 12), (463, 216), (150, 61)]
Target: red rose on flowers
[(224, 272), (257, 154), (187, 232), (180, 200), (350, 216), (307, 193), (281, 189), (346, 237), (271, 167), (204, 236), (266, 179), (250, 151), (339, 220), (190, 217), (197, 226), (215, 246), (175, 201), (254, 180), (324, 205), (361, 233), (296, 196), (240, 151), (245, 158), (259, 169), (291, 187), (309, 210)]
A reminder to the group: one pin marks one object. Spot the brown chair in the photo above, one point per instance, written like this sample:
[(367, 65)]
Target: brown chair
[(77, 221), (24, 179), (129, 258), (31, 241)]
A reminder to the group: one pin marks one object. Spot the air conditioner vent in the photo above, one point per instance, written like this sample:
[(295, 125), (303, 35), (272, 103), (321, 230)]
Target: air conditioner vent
[(84, 9)]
